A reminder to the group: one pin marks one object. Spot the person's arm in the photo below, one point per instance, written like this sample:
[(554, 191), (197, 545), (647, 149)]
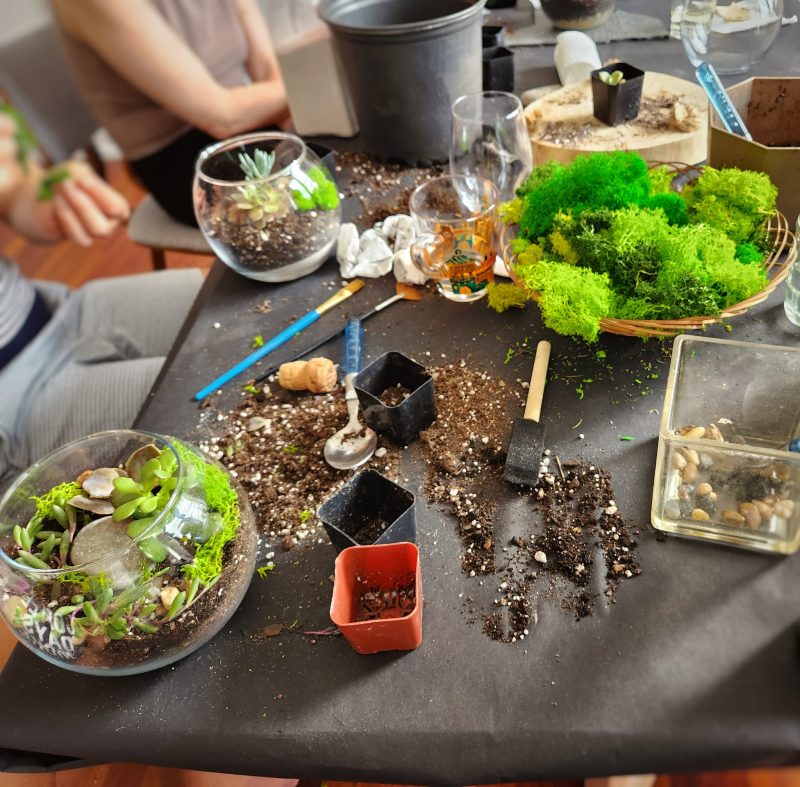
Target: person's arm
[(138, 43), (67, 201), (261, 61)]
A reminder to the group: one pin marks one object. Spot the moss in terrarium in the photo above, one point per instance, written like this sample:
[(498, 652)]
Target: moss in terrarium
[(503, 295), (748, 253), (220, 497), (323, 195), (57, 496)]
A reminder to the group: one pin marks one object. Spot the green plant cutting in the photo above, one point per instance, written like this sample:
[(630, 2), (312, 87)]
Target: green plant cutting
[(607, 237)]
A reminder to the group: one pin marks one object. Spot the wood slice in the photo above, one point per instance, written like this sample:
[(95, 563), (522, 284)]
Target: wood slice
[(672, 124)]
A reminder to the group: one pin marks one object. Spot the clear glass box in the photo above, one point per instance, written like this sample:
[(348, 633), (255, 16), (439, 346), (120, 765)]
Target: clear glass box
[(723, 471)]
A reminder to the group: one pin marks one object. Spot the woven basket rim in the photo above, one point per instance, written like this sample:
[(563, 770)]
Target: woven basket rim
[(776, 263)]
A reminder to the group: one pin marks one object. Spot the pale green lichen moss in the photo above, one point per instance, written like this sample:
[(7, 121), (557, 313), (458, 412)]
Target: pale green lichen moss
[(222, 498), (502, 295), (57, 496)]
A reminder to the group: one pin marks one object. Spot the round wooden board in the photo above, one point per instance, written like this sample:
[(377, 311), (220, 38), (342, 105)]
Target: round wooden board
[(562, 124)]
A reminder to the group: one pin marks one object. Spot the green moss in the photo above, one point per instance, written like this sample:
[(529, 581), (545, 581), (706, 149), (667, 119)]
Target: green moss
[(733, 201), (661, 179), (220, 497), (572, 299), (57, 496), (502, 295), (323, 194), (749, 252)]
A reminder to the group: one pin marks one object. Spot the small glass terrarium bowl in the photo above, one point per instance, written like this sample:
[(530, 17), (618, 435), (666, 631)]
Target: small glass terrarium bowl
[(724, 471), (267, 205), (123, 552)]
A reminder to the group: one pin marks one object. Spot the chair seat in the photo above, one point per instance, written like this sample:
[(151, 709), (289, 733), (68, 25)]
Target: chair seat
[(151, 226)]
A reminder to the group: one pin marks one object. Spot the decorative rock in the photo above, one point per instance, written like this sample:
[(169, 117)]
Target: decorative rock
[(704, 489), (699, 515), (706, 504), (95, 541), (540, 557), (706, 461), (686, 507), (685, 492), (672, 509), (751, 515), (137, 460), (764, 510), (168, 595), (404, 269), (373, 259), (784, 509), (678, 460), (100, 482), (690, 455), (692, 432), (689, 473), (93, 505), (712, 432), (380, 452), (731, 517)]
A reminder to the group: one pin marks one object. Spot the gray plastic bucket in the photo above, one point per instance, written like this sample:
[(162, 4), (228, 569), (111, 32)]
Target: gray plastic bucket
[(405, 62)]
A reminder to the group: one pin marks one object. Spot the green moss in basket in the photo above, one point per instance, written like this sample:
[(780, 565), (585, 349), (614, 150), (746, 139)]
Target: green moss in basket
[(732, 200)]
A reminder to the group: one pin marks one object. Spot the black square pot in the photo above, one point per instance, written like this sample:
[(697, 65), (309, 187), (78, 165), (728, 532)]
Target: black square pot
[(501, 3), (498, 69), (369, 509), (615, 104), (402, 422), (493, 35)]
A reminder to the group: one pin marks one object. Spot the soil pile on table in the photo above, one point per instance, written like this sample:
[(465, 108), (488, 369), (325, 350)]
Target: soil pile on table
[(273, 444)]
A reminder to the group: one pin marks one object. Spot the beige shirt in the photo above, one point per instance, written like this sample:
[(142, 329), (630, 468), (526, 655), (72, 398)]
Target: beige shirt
[(212, 30)]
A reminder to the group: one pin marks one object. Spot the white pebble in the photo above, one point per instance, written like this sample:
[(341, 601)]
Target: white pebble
[(217, 325), (379, 452), (540, 557)]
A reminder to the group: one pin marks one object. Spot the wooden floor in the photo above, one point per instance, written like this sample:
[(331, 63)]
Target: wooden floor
[(116, 256)]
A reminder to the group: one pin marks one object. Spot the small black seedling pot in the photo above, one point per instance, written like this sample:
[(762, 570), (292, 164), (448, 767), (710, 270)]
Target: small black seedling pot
[(615, 104), (493, 35), (401, 422), (498, 69), (369, 509)]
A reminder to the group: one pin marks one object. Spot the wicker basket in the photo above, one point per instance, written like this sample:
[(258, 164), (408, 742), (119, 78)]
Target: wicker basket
[(782, 254)]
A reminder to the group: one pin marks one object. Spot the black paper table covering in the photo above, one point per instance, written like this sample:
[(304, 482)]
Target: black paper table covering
[(696, 667)]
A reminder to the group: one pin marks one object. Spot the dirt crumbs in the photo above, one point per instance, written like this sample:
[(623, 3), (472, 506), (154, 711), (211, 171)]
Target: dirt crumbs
[(573, 516), (382, 189), (273, 444), (377, 604)]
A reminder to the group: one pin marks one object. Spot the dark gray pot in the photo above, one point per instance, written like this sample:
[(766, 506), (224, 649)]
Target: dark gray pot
[(578, 14), (406, 62)]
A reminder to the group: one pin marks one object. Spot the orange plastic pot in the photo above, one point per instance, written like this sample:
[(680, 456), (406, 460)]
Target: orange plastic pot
[(384, 567)]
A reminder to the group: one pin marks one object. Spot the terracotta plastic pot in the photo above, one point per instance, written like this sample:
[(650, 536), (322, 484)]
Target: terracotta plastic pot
[(382, 567)]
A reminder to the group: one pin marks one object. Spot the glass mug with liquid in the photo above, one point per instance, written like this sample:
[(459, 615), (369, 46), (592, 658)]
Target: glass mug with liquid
[(455, 218)]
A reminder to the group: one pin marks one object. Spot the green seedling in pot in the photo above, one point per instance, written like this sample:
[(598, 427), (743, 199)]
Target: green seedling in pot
[(258, 202), (614, 78)]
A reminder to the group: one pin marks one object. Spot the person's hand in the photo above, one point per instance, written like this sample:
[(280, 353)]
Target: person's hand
[(11, 172), (73, 202)]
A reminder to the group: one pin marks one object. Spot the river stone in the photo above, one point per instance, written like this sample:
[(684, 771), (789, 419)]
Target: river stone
[(103, 537)]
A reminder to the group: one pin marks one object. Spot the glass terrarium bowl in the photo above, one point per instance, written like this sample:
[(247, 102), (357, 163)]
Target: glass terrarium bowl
[(135, 590), (723, 470), (267, 205)]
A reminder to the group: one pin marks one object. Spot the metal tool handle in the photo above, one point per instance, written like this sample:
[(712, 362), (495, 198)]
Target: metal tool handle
[(353, 346), (533, 406), (710, 82)]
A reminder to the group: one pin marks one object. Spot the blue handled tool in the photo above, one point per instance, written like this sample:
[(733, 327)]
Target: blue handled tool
[(281, 338), (354, 444), (710, 82)]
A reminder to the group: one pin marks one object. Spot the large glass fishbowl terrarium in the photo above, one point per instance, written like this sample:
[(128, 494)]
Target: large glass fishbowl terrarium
[(123, 552), (267, 205)]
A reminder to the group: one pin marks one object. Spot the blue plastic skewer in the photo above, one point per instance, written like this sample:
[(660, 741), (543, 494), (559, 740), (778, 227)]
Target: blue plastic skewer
[(710, 82)]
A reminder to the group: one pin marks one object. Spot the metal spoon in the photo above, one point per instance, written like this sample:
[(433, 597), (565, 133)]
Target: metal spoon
[(354, 444)]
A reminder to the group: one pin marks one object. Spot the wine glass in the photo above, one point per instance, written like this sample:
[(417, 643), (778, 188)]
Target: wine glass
[(730, 38), (489, 139)]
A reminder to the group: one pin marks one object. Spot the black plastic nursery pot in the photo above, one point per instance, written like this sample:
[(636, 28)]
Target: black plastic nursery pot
[(403, 421), (493, 35), (369, 509), (498, 69), (615, 104)]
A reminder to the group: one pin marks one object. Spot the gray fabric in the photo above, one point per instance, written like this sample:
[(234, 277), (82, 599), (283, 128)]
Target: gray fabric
[(151, 226), (17, 295), (91, 367), (623, 26)]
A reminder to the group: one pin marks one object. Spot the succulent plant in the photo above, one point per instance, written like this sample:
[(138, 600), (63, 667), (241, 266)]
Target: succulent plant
[(258, 202)]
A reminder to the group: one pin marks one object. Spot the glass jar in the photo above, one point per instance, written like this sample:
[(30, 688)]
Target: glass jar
[(267, 205), (128, 591), (724, 471)]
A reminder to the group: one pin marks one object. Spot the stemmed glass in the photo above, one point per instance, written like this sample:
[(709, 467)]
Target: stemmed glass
[(489, 139)]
